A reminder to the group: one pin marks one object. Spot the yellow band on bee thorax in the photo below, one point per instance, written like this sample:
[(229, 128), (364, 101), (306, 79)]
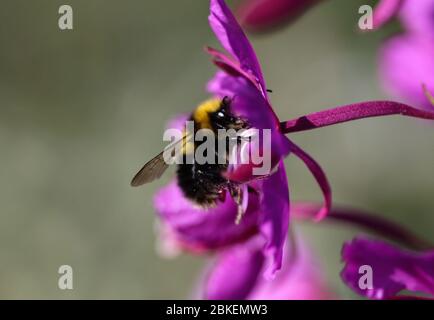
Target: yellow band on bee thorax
[(201, 114)]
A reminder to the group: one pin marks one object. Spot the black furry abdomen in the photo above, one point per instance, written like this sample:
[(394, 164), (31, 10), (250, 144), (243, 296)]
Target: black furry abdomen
[(202, 183)]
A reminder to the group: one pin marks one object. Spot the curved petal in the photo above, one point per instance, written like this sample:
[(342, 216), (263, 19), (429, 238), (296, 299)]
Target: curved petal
[(177, 122), (274, 221), (385, 11), (417, 17), (248, 102), (233, 39), (234, 69), (406, 62), (235, 273), (261, 15), (197, 229), (353, 112), (393, 269), (319, 176), (301, 278)]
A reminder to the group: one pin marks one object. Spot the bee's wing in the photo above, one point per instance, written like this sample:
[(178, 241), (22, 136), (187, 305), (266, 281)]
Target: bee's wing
[(155, 167), (151, 171)]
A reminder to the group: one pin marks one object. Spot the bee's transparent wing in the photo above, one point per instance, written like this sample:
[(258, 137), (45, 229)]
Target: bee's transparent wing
[(155, 167), (151, 171)]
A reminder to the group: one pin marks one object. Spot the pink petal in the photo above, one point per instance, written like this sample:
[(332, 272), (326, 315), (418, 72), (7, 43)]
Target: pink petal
[(233, 68), (418, 18), (393, 269), (249, 102), (235, 273), (195, 228), (385, 11), (233, 39), (406, 62), (260, 15), (319, 176), (177, 122), (301, 277), (274, 221)]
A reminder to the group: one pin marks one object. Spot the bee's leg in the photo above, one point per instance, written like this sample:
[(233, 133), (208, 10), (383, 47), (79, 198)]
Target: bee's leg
[(252, 190), (240, 196), (233, 190), (222, 195)]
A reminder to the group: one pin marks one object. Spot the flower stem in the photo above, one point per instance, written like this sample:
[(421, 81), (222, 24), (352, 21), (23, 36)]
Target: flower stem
[(352, 112)]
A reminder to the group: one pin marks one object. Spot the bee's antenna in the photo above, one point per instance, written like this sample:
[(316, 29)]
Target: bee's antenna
[(234, 97), (226, 102)]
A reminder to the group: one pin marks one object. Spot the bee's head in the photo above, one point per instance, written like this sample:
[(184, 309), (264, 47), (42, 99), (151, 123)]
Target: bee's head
[(223, 118)]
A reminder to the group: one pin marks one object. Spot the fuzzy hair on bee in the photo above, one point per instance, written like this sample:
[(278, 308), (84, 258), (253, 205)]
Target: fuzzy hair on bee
[(203, 184)]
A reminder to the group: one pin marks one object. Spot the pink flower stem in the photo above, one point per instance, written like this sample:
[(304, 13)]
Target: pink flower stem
[(352, 112)]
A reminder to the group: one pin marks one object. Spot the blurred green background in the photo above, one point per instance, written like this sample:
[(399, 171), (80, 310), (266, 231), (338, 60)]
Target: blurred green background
[(81, 110)]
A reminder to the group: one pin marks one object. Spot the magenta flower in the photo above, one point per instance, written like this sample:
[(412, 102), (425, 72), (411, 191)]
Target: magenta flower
[(241, 77), (237, 274), (390, 269), (393, 269), (267, 208)]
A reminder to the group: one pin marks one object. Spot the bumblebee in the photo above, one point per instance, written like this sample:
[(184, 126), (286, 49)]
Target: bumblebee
[(203, 184)]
